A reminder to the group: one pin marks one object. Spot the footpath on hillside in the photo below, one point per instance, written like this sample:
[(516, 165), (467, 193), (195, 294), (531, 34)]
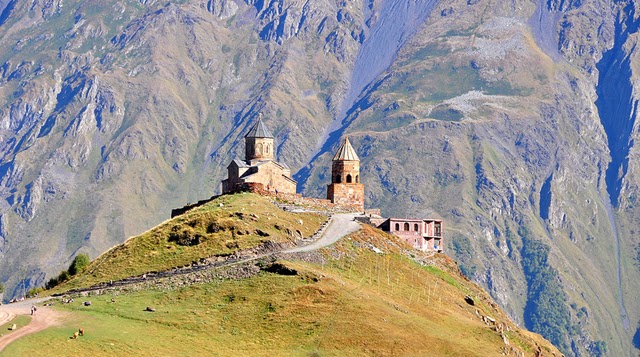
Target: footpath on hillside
[(338, 226), (44, 317)]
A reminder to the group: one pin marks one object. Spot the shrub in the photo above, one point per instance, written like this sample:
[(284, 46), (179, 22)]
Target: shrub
[(63, 276), (185, 237), (52, 283), (35, 291), (599, 348), (79, 263)]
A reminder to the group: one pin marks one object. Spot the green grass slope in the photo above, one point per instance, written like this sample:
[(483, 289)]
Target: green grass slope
[(221, 227), (346, 300)]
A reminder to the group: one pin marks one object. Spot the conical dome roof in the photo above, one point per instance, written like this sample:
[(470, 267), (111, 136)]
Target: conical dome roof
[(259, 131), (346, 152)]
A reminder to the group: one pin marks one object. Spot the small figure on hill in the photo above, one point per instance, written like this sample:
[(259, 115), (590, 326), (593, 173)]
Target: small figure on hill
[(81, 332), (33, 309)]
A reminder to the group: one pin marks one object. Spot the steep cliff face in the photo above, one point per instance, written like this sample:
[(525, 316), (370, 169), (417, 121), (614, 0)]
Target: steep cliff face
[(515, 121)]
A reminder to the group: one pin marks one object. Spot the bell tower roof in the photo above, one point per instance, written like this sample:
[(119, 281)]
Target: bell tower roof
[(259, 130), (346, 152)]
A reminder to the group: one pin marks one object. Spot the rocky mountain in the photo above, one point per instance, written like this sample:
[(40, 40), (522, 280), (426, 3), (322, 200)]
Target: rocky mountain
[(513, 120)]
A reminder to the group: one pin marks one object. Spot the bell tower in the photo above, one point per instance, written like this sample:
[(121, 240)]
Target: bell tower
[(259, 143), (345, 187)]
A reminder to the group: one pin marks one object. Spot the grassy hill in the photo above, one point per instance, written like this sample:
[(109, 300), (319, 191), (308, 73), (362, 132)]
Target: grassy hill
[(225, 225), (369, 294)]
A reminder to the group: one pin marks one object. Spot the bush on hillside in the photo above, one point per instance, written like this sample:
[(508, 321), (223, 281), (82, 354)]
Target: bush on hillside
[(80, 262), (599, 348), (63, 276), (34, 292), (53, 282)]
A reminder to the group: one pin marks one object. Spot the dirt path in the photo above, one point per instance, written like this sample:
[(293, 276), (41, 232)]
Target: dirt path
[(44, 317), (341, 224)]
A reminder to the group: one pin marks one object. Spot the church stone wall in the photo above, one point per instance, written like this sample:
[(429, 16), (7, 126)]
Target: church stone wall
[(271, 176), (346, 194)]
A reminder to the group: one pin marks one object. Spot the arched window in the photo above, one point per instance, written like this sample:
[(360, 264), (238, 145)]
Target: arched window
[(259, 151), (415, 227), (406, 226), (266, 148), (357, 178), (348, 178), (397, 226), (338, 179)]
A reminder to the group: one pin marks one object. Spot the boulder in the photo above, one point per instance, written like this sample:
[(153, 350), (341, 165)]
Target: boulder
[(469, 300)]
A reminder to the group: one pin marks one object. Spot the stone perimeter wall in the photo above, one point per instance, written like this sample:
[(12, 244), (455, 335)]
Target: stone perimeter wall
[(282, 199), (297, 199)]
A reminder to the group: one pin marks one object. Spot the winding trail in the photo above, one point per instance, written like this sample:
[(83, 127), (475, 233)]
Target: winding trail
[(45, 317), (339, 226)]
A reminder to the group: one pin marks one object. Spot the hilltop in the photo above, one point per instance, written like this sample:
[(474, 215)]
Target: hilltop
[(369, 294), (214, 232)]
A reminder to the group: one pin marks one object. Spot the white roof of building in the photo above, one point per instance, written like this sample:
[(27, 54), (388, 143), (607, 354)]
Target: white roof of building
[(346, 152)]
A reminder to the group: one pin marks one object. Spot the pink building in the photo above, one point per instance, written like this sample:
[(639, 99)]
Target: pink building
[(423, 234)]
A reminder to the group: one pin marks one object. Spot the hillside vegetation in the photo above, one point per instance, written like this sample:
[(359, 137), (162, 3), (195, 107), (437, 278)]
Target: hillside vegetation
[(346, 300), (219, 228)]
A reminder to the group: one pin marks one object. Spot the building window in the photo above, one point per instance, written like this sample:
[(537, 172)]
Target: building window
[(397, 226), (406, 226), (348, 178), (357, 178), (415, 227), (338, 179), (267, 149), (259, 149)]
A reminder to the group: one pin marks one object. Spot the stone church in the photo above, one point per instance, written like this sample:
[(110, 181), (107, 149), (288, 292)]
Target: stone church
[(259, 166)]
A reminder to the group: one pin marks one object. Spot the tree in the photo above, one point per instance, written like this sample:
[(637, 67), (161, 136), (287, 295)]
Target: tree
[(1, 288), (79, 263)]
